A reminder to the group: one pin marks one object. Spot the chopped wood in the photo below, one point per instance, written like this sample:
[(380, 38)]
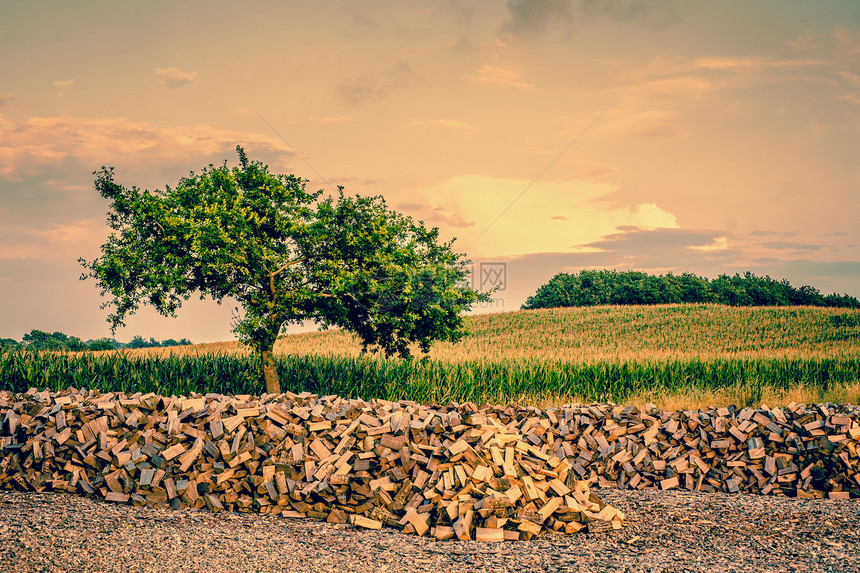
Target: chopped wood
[(488, 473), (366, 522), (489, 534)]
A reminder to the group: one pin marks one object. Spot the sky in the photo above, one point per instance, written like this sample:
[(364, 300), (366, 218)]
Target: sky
[(546, 136)]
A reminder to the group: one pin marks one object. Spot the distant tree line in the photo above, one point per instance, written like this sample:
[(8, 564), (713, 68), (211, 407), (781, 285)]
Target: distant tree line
[(39, 340), (589, 288)]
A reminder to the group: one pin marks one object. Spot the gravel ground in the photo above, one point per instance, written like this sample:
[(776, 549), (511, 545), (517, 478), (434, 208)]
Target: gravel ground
[(665, 531)]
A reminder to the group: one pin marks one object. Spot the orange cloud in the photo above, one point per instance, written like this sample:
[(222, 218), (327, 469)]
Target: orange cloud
[(38, 143), (719, 244), (493, 217), (729, 63), (805, 42), (851, 79), (848, 39), (63, 87), (644, 123), (60, 241), (498, 77), (446, 123), (174, 77), (334, 119)]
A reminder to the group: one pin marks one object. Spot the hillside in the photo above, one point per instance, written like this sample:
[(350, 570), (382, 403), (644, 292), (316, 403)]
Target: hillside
[(611, 333)]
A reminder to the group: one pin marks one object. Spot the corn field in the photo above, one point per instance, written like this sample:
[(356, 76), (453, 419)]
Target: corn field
[(591, 354)]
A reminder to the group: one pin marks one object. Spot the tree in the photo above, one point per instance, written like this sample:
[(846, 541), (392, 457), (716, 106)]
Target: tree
[(39, 340), (285, 255), (693, 288), (139, 342), (75, 344), (386, 278), (613, 287), (102, 344)]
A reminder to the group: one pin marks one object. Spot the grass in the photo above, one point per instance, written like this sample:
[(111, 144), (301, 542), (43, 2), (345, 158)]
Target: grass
[(676, 356)]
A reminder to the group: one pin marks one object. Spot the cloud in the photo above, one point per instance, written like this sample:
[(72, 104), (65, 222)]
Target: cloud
[(765, 233), (660, 130), (675, 250), (351, 181), (534, 16), (373, 87), (537, 16), (63, 87), (847, 39), (852, 80), (655, 13), (687, 80), (56, 241), (464, 46), (38, 144), (791, 246), (5, 98), (805, 42), (410, 206), (551, 216), (443, 123), (61, 185), (690, 249), (750, 63), (498, 77), (332, 120), (719, 244), (442, 216), (174, 77), (648, 123), (637, 241)]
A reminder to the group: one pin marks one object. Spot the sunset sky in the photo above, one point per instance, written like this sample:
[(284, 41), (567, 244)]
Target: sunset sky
[(550, 135)]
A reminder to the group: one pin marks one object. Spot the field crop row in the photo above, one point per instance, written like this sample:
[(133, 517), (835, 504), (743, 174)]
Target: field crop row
[(425, 381), (715, 353)]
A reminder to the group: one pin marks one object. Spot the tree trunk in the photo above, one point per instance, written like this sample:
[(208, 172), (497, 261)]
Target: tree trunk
[(270, 374)]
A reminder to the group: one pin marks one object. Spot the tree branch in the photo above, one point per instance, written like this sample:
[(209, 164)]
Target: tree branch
[(288, 265), (272, 291)]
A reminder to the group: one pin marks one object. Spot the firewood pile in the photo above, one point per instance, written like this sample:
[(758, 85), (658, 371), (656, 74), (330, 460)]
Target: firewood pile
[(462, 471)]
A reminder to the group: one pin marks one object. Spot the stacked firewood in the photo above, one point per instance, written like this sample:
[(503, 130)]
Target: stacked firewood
[(457, 471), (453, 471), (808, 452)]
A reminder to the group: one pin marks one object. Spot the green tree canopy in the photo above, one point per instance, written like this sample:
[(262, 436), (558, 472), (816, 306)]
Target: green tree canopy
[(39, 340), (102, 344), (589, 288), (284, 254)]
